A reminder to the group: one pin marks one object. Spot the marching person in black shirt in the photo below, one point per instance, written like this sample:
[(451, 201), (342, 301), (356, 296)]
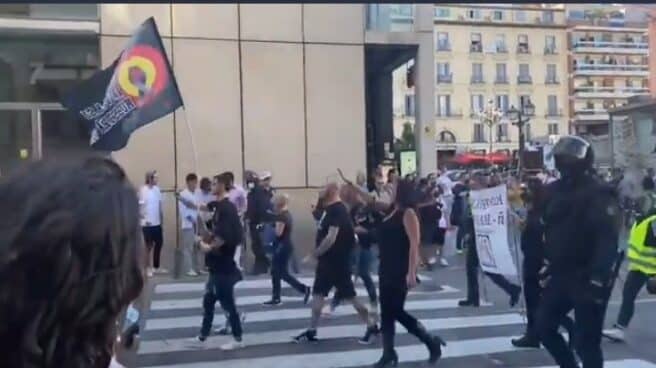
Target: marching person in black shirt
[(283, 249), (219, 247), (257, 213), (336, 240)]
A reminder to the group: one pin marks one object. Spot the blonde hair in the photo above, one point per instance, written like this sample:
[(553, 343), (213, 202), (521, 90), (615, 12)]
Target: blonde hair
[(281, 200)]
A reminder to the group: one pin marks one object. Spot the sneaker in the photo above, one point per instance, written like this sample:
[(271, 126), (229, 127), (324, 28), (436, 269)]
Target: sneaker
[(616, 334), (150, 272), (443, 262), (201, 338), (460, 251), (192, 273), (306, 336), (272, 303), (369, 335), (308, 293), (233, 345), (514, 297), (432, 261), (161, 271)]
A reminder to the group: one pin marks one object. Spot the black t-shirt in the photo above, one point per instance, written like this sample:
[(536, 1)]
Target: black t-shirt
[(285, 239), (336, 215), (226, 225)]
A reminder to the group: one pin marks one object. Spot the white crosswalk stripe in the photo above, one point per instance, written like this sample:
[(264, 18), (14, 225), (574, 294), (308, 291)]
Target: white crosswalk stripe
[(168, 339)]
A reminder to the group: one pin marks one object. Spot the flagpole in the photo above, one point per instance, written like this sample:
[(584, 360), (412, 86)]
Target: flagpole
[(191, 136)]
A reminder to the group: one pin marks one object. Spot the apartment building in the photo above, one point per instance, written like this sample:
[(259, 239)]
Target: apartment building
[(608, 62), (507, 53)]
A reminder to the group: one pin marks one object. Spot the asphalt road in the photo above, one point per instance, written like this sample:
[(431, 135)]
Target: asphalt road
[(477, 337)]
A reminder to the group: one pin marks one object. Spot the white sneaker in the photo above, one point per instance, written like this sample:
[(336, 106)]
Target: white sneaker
[(192, 273), (149, 272), (432, 261), (233, 345), (161, 271), (443, 262), (615, 334)]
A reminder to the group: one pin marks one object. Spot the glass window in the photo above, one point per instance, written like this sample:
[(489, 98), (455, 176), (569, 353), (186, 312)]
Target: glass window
[(442, 12), (474, 14), (43, 68), (479, 133), (524, 100), (502, 132), (500, 43), (502, 102), (443, 105), (527, 132), (551, 73), (443, 69), (553, 129), (501, 72), (15, 139), (497, 15), (550, 44), (552, 105), (477, 102), (524, 70), (520, 16), (548, 16), (410, 105), (80, 11), (477, 72), (443, 41), (476, 43)]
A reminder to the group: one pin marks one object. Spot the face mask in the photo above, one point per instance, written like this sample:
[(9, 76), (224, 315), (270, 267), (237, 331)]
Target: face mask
[(251, 185)]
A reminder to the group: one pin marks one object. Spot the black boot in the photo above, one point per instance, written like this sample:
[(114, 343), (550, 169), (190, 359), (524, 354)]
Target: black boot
[(389, 359), (435, 349), (526, 341)]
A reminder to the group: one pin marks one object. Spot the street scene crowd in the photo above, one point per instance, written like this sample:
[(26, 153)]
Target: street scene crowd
[(571, 231)]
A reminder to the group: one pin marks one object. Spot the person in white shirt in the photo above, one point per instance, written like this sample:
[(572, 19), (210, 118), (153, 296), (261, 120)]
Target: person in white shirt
[(188, 226), (150, 203)]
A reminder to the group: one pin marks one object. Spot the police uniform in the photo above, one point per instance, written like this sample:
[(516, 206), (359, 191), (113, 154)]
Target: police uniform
[(581, 224)]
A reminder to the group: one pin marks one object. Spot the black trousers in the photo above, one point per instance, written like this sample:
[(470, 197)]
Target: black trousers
[(221, 287), (280, 271), (558, 299), (261, 264), (472, 265), (635, 280), (392, 301)]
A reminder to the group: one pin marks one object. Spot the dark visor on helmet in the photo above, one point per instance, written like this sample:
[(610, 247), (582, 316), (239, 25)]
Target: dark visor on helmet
[(570, 146)]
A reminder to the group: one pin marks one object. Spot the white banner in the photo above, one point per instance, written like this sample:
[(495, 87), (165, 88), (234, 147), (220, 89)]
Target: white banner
[(490, 211)]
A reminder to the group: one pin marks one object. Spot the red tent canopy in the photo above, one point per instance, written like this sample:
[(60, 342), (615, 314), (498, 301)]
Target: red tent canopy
[(496, 158)]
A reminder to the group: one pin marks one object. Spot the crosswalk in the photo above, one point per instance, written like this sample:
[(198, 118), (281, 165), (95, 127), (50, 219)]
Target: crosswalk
[(175, 313)]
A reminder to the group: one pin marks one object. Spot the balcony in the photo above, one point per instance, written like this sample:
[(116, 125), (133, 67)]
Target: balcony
[(448, 114), (477, 79), (501, 79), (501, 49), (445, 78), (611, 47), (390, 17), (551, 80), (611, 69), (550, 50), (475, 48), (524, 79), (590, 114), (608, 92), (553, 113), (523, 49), (443, 46)]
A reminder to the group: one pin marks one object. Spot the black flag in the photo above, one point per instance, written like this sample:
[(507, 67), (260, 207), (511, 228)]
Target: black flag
[(138, 88)]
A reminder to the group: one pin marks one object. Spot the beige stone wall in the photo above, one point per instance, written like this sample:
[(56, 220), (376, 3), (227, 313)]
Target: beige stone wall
[(276, 87)]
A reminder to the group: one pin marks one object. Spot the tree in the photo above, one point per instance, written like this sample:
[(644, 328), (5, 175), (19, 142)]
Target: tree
[(407, 139)]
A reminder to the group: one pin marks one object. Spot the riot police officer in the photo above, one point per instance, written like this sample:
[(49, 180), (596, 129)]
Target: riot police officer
[(581, 231)]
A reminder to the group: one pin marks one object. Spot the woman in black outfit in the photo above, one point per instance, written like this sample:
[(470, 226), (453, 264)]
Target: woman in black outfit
[(399, 255)]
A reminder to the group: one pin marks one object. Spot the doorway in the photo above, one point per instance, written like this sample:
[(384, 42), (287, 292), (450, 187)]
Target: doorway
[(32, 131)]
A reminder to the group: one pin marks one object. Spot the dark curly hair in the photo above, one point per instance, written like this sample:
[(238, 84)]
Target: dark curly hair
[(71, 259)]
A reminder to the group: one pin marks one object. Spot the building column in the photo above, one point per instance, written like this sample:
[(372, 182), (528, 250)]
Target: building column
[(425, 91)]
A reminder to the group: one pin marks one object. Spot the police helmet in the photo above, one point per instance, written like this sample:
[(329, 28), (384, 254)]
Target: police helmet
[(572, 155)]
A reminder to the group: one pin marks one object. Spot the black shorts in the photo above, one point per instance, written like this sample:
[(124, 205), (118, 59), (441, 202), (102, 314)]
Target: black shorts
[(328, 276), (152, 235), (440, 235)]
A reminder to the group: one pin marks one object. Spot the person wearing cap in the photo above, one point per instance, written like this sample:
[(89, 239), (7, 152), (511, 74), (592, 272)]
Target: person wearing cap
[(258, 213), (150, 203)]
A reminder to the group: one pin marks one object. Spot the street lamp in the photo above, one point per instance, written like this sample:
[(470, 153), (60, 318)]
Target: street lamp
[(490, 116), (520, 118)]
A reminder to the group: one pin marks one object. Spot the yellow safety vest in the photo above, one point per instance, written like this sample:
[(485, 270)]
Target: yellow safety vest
[(641, 257)]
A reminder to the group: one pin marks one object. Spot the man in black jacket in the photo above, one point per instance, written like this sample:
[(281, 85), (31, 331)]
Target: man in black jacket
[(259, 213)]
